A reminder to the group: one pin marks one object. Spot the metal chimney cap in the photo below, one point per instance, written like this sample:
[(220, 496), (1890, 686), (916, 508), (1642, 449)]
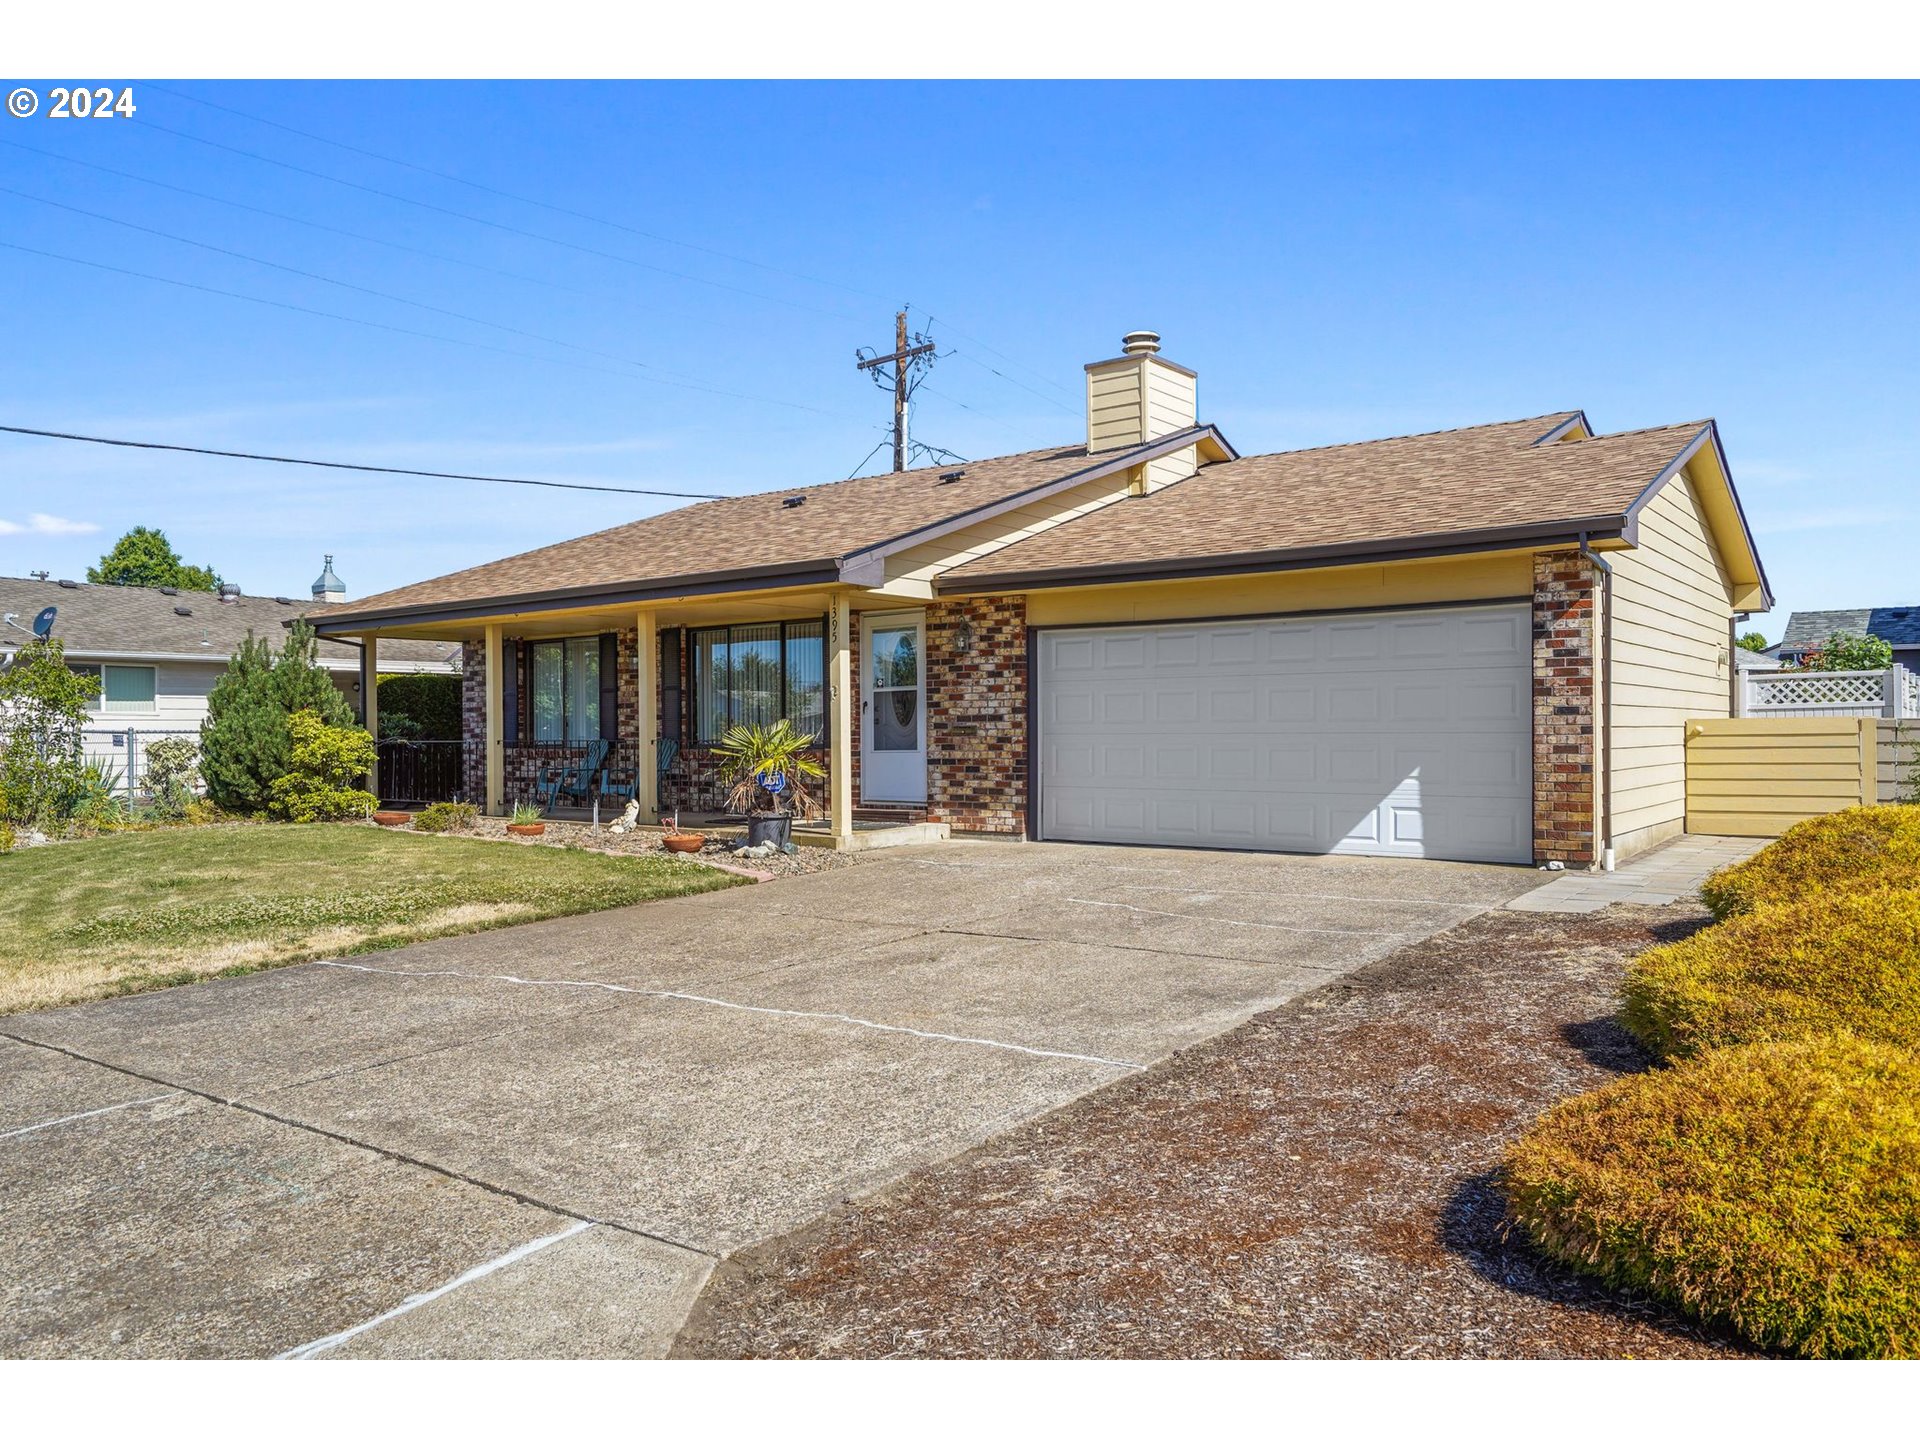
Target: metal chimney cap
[(1140, 342)]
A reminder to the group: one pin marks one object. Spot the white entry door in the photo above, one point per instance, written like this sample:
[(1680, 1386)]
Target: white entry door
[(893, 710), (1396, 733)]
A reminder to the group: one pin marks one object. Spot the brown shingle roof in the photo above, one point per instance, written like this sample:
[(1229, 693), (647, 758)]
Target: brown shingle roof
[(1415, 487), (135, 620), (720, 536)]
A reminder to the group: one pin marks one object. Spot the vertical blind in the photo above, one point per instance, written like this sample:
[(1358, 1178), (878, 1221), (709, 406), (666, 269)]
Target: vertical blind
[(757, 674)]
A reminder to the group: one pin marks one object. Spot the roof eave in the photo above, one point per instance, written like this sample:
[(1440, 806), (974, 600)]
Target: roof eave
[(1306, 557), (586, 597)]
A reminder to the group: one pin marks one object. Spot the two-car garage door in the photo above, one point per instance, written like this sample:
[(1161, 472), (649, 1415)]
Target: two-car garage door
[(1397, 733)]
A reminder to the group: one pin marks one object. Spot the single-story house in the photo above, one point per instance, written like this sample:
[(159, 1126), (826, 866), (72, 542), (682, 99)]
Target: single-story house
[(1898, 625), (1477, 644), (158, 651)]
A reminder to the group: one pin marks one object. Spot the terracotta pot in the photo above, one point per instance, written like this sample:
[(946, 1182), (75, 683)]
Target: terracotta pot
[(683, 844), (392, 818), (527, 830)]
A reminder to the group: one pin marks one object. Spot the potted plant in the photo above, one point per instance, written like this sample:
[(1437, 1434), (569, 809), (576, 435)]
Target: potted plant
[(527, 820), (681, 842), (766, 769)]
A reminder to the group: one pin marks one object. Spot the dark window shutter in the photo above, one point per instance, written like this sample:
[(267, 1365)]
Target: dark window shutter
[(610, 688), (513, 655), (672, 702)]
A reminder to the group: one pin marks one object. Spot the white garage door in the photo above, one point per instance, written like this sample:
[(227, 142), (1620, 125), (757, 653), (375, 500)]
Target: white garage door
[(1400, 733)]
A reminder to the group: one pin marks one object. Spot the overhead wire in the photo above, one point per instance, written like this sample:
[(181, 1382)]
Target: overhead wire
[(370, 469)]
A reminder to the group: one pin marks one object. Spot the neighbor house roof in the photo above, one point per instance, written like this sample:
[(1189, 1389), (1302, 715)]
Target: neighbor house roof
[(1449, 490), (797, 536), (135, 622), (1896, 624)]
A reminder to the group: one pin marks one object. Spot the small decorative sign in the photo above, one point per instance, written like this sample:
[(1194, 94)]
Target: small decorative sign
[(775, 782)]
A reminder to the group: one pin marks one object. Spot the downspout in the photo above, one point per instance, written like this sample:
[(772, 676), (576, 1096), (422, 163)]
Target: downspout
[(1604, 740)]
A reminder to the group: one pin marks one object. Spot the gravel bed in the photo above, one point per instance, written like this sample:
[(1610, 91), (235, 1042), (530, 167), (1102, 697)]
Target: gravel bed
[(719, 849), (1318, 1182)]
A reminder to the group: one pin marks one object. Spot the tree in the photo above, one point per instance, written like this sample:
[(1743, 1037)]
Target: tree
[(1753, 640), (1844, 651), (144, 556), (43, 709), (245, 741)]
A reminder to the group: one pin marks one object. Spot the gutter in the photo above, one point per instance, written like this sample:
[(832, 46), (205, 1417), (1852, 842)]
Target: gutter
[(1604, 740)]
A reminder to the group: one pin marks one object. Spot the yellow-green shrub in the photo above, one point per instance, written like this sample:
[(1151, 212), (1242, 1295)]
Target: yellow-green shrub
[(328, 762), (1865, 843), (1774, 1189), (444, 815), (1846, 960)]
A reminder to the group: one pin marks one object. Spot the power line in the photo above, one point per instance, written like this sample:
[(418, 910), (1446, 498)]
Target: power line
[(971, 340), (369, 469), (387, 295), (1058, 405), (512, 195), (406, 330), (296, 219), (490, 224)]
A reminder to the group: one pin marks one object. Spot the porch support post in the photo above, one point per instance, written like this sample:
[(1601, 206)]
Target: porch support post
[(496, 748), (647, 720), (840, 712), (370, 702)]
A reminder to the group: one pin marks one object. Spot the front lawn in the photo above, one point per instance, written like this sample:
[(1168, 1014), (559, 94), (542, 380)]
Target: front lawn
[(141, 911)]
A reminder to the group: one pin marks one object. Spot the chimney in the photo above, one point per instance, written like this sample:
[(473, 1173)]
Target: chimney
[(1137, 397), (328, 587)]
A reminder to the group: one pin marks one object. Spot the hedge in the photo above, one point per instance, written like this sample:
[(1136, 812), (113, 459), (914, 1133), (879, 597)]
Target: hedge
[(1847, 960), (432, 702), (1866, 843), (1772, 1189)]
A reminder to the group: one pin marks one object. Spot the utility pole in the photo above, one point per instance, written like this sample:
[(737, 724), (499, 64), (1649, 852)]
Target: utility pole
[(907, 362)]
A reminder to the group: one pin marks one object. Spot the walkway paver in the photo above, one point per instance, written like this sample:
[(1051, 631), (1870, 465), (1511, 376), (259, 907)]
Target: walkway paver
[(1659, 877)]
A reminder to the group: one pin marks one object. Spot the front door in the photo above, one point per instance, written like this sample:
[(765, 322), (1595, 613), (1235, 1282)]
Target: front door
[(893, 712)]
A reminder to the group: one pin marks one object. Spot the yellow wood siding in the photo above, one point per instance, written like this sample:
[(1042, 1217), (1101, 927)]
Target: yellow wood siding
[(1115, 407), (910, 573), (1412, 582), (1898, 758), (1669, 659), (1757, 776), (1171, 400)]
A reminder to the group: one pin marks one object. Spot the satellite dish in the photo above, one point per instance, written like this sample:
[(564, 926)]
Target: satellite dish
[(43, 622)]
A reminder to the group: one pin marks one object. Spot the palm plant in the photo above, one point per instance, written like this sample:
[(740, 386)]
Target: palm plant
[(752, 755)]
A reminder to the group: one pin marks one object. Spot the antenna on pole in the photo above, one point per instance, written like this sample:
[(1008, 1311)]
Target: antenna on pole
[(912, 357)]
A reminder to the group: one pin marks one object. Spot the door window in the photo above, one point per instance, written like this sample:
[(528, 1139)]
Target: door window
[(895, 658)]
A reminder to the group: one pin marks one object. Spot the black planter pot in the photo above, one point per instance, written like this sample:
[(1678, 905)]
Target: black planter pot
[(774, 830)]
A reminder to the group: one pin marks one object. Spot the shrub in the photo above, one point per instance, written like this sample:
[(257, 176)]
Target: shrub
[(1866, 843), (43, 709), (172, 768), (419, 707), (6, 837), (322, 783), (446, 815), (1774, 1189), (245, 742), (98, 803), (1843, 650), (1849, 960)]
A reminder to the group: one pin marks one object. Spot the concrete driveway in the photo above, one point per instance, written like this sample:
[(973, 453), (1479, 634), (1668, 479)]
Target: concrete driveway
[(538, 1141)]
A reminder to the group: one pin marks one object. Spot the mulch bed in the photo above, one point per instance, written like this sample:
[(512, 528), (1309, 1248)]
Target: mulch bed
[(1319, 1182), (720, 846)]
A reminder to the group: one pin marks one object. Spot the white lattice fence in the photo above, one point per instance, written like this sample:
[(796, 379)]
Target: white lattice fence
[(1826, 692)]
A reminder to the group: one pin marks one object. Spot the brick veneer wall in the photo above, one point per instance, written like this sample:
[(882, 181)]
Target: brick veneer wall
[(1565, 644), (521, 768), (977, 715)]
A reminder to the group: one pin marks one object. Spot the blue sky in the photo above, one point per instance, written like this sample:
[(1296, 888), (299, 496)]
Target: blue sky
[(1338, 261)]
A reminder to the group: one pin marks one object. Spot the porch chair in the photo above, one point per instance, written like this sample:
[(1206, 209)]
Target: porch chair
[(574, 780)]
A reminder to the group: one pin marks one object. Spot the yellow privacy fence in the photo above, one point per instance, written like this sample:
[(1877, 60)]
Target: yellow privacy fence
[(1758, 775)]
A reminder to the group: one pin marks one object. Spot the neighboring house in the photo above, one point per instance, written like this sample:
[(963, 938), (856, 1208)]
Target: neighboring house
[(1479, 644), (1756, 659), (1898, 625), (157, 652)]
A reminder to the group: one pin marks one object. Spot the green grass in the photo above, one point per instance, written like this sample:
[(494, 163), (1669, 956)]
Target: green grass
[(145, 910)]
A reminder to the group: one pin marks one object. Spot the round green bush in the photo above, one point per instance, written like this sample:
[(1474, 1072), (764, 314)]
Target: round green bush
[(1771, 1189), (1844, 961), (1866, 843), (429, 705)]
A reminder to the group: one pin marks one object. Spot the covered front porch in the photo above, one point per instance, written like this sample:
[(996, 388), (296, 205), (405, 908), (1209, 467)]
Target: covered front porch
[(579, 709)]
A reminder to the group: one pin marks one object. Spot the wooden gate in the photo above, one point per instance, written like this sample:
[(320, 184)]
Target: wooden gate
[(1757, 776)]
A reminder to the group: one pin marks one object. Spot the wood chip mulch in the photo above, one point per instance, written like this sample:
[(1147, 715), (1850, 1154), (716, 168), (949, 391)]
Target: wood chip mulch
[(1318, 1182)]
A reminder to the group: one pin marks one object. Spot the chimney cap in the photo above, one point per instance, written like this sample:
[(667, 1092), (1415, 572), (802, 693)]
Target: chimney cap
[(1140, 342)]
